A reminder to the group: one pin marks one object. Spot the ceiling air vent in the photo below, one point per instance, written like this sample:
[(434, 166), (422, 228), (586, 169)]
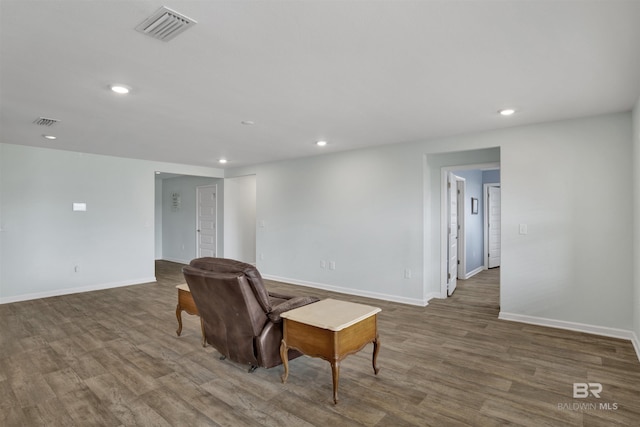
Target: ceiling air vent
[(45, 121), (165, 24)]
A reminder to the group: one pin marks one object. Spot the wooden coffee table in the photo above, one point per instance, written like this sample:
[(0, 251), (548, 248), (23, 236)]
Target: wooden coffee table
[(332, 330), (186, 303)]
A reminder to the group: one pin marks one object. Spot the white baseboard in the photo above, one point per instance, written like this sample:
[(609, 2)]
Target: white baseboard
[(177, 260), (472, 273), (431, 296), (574, 326), (357, 292), (636, 344), (67, 291)]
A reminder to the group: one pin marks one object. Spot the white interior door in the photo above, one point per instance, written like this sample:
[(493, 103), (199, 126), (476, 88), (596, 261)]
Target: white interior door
[(493, 218), (462, 259), (452, 264), (206, 221)]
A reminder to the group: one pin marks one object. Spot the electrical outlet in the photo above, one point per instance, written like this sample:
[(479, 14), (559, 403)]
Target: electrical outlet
[(407, 273), (332, 265), (323, 264)]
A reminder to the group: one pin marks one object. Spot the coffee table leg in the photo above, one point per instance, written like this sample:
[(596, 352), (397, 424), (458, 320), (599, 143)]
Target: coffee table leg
[(179, 316), (376, 349), (335, 371), (285, 360)]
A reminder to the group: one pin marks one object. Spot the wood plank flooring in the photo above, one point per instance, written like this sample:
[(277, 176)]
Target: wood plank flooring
[(112, 358)]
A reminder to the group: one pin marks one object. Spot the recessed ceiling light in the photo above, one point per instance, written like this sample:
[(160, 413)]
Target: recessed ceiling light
[(157, 172), (121, 89), (506, 111), (248, 122), (321, 143), (222, 161), (49, 137)]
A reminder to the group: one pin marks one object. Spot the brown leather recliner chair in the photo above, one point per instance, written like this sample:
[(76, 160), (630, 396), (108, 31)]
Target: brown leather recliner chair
[(241, 319)]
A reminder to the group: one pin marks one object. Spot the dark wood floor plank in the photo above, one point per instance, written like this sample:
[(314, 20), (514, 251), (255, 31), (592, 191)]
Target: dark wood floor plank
[(109, 389), (86, 409), (31, 389), (112, 358), (64, 381), (137, 413), (48, 413), (15, 416), (175, 409)]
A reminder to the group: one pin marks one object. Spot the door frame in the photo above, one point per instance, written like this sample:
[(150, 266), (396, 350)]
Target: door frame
[(455, 189), (462, 237), (444, 216), (485, 223), (215, 186)]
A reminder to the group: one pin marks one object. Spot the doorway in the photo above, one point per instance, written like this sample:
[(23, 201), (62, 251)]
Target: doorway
[(176, 216), (206, 221), (457, 216), (455, 230), (492, 227)]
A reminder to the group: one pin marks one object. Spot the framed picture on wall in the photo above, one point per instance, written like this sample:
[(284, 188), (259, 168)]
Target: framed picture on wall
[(474, 206)]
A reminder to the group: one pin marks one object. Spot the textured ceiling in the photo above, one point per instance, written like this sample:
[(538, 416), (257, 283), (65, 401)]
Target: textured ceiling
[(352, 72)]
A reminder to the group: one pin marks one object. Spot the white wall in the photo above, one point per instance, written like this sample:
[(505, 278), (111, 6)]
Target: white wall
[(636, 222), (570, 182), (240, 218), (1, 212), (112, 243), (179, 241), (352, 208), (376, 213)]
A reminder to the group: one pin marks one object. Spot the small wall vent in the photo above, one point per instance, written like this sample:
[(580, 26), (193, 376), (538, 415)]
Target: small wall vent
[(165, 24), (45, 121)]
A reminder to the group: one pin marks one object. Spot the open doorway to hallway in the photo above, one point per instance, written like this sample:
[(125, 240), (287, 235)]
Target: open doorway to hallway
[(467, 222), (177, 219), (436, 207), (492, 224)]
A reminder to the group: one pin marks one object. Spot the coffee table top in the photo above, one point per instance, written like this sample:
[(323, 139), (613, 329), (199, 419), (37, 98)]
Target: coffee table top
[(331, 314)]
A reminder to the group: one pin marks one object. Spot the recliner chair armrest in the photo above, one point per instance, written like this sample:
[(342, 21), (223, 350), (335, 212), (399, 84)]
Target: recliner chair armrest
[(290, 304), (280, 296)]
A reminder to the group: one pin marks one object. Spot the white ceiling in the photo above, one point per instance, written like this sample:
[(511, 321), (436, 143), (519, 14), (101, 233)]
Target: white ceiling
[(356, 73)]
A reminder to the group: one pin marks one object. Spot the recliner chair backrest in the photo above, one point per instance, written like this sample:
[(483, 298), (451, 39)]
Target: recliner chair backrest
[(226, 265), (231, 299)]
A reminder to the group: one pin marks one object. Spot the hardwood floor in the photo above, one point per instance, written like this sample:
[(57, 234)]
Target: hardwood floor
[(112, 358)]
